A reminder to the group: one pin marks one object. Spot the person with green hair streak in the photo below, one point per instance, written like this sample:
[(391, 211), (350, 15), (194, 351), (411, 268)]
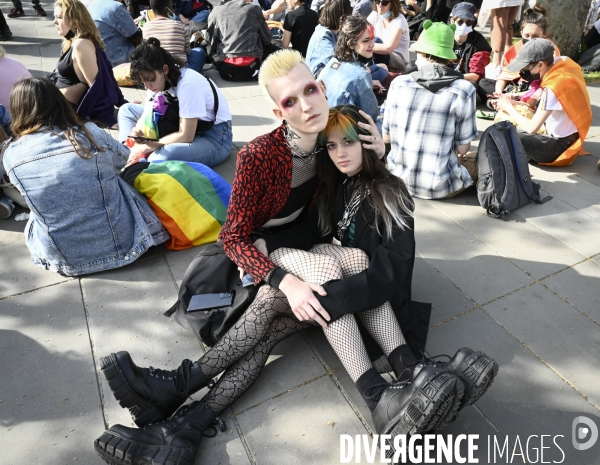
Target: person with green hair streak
[(430, 120)]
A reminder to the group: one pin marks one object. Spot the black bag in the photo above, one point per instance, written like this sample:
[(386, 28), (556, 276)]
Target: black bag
[(235, 73), (169, 122), (504, 181), (209, 272), (590, 59)]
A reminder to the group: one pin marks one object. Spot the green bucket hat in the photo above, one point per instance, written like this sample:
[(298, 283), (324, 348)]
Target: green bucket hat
[(437, 39)]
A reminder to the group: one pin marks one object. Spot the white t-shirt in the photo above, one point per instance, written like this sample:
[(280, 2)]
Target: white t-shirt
[(385, 33), (558, 123), (196, 99)]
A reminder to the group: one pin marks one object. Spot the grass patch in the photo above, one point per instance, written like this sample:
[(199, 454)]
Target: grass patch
[(592, 78)]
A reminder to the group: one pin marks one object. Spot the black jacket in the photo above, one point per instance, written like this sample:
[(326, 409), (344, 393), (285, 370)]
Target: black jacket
[(388, 277)]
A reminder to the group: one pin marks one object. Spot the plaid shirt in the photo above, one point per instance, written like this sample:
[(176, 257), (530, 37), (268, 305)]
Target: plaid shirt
[(424, 129)]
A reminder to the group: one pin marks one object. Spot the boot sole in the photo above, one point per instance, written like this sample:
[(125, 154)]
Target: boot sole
[(477, 375), (141, 411), (448, 412), (433, 402), (116, 450)]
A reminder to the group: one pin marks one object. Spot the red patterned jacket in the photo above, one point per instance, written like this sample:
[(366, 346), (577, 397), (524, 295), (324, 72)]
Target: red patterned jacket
[(261, 187)]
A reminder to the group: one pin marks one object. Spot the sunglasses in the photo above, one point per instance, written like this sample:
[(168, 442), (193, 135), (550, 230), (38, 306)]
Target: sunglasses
[(383, 2), (468, 22)]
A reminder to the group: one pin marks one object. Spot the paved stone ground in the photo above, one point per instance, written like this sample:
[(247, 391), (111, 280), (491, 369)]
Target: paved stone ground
[(526, 291)]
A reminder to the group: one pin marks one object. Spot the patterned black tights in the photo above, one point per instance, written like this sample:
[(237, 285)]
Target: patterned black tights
[(245, 348)]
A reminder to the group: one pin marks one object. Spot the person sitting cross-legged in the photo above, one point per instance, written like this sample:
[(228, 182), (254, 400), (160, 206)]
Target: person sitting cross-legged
[(430, 120), (564, 106)]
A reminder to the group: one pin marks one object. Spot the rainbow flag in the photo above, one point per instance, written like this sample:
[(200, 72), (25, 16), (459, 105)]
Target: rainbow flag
[(190, 200), (149, 124)]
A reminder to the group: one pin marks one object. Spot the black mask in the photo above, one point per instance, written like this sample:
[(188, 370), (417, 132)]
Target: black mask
[(69, 35), (525, 40), (528, 76)]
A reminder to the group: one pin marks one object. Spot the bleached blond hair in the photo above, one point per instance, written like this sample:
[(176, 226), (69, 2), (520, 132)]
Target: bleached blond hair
[(2, 52), (277, 65)]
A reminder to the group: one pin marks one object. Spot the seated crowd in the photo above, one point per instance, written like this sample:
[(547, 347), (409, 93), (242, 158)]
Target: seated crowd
[(363, 129)]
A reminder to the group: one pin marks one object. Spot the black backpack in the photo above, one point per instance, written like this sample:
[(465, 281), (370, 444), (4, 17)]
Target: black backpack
[(211, 271), (504, 181)]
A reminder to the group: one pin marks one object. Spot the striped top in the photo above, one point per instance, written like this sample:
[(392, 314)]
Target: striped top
[(172, 34)]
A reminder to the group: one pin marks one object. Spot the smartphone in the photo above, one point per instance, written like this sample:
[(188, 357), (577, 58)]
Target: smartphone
[(142, 138), (210, 301)]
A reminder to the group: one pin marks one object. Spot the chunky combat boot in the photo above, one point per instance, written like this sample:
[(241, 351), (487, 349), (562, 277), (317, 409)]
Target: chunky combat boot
[(150, 394), (476, 370), (172, 442), (417, 405), (426, 402)]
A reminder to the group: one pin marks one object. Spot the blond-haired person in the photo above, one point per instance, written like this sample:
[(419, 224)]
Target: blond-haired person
[(83, 72), (275, 183)]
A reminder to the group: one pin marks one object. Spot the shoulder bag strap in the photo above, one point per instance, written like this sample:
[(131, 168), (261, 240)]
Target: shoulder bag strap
[(215, 97)]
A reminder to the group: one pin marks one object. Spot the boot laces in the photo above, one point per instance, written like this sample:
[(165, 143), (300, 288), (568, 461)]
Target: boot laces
[(211, 430), (427, 361), (398, 382), (181, 375)]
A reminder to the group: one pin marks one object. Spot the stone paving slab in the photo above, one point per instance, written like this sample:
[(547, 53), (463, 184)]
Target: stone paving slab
[(567, 224), (543, 321), (527, 246), (429, 285), (49, 406), (125, 308), (301, 426), (574, 285), (478, 270), (18, 274), (291, 364), (526, 398)]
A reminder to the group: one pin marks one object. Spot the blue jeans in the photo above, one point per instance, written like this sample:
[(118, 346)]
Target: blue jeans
[(377, 73), (196, 59), (201, 17), (209, 148)]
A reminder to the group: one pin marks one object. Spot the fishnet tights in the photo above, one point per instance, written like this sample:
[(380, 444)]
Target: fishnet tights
[(269, 320), (380, 322)]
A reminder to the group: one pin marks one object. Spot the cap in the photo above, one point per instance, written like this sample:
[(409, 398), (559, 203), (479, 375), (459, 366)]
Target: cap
[(437, 39), (533, 51), (464, 10)]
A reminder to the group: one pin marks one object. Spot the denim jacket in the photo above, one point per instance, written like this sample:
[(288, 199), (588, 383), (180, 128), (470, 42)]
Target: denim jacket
[(116, 26), (349, 83), (320, 49), (84, 218), (237, 29)]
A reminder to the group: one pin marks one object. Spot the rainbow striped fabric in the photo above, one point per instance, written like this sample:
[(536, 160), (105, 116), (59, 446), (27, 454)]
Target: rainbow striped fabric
[(190, 199)]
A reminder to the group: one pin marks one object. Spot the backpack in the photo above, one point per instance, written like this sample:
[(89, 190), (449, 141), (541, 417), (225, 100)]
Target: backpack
[(504, 181), (590, 59), (211, 271)]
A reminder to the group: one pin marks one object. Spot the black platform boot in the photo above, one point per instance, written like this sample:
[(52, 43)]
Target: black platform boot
[(476, 370), (150, 394), (426, 402), (172, 442)]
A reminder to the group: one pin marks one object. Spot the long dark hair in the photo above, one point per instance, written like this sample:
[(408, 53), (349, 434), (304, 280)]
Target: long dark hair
[(36, 104), (351, 29), (388, 195), (150, 57)]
